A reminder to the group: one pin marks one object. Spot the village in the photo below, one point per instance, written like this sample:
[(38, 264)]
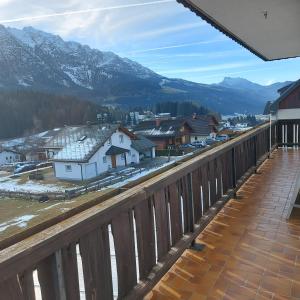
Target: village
[(63, 163)]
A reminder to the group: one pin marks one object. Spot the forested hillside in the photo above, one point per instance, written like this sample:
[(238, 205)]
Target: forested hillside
[(27, 112)]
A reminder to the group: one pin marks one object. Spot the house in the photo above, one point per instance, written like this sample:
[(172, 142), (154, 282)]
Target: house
[(165, 133), (179, 131), (286, 110), (287, 106), (203, 127), (9, 156), (91, 150)]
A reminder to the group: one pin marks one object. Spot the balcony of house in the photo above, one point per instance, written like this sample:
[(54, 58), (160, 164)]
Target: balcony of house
[(215, 225)]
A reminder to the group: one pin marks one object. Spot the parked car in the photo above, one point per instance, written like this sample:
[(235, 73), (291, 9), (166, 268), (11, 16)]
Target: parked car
[(24, 168), (222, 137), (210, 141), (198, 144), (186, 146)]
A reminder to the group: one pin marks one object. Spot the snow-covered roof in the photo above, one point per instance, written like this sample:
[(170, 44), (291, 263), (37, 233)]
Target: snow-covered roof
[(82, 142)]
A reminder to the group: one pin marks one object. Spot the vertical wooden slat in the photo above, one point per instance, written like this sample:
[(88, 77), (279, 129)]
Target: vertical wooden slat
[(143, 213), (187, 196), (196, 183), (123, 233), (95, 255), (290, 133), (212, 182), (10, 289), (175, 213), (233, 167), (26, 282), (48, 278), (70, 271), (162, 224), (219, 177), (204, 184)]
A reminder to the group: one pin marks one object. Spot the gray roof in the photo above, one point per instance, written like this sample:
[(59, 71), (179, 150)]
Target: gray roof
[(141, 144), (114, 150), (286, 92), (201, 126), (80, 143)]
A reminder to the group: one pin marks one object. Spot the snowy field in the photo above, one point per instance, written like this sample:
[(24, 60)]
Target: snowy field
[(13, 185)]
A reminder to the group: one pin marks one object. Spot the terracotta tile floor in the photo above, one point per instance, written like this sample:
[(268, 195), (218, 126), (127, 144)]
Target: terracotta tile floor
[(251, 251)]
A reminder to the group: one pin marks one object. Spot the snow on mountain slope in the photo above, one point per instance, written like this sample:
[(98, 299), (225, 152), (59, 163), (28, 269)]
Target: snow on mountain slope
[(40, 61)]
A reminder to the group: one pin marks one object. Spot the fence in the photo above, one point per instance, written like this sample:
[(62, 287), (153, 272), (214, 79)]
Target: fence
[(155, 221), (288, 133)]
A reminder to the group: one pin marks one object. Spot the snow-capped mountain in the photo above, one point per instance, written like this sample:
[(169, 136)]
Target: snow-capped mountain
[(36, 60), (32, 58)]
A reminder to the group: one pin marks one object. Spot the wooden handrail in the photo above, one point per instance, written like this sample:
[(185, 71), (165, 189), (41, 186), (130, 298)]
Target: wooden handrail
[(166, 212)]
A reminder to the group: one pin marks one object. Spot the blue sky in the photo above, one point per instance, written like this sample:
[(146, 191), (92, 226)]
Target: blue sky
[(160, 34)]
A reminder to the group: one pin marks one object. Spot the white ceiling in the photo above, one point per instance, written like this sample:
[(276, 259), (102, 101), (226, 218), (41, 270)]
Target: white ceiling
[(269, 28)]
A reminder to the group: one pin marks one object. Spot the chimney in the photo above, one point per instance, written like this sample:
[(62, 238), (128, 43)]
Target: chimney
[(157, 122)]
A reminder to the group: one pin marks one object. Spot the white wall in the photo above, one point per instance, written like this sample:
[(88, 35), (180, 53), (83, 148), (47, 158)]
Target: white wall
[(96, 164), (288, 114), (115, 141), (62, 173), (7, 157)]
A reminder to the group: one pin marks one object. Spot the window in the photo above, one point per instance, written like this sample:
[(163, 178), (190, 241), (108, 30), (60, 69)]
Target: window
[(68, 168), (121, 138), (104, 159), (196, 138)]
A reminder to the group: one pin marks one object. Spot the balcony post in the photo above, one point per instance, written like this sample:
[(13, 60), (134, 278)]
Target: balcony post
[(255, 153), (233, 169)]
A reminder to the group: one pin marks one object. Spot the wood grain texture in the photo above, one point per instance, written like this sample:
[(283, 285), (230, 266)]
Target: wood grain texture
[(175, 213), (70, 271), (95, 255), (122, 229), (10, 289), (143, 213), (26, 282), (48, 278), (162, 224)]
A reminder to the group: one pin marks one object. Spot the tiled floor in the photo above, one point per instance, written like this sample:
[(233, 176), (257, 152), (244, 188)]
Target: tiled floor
[(251, 251)]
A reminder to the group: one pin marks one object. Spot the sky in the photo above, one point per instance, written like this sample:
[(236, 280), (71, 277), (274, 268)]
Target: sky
[(160, 34)]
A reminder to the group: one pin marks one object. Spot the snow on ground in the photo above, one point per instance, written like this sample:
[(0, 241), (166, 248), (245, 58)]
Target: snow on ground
[(18, 221), (13, 185)]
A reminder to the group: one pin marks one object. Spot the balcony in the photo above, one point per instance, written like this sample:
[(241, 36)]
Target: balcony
[(231, 199), (251, 250)]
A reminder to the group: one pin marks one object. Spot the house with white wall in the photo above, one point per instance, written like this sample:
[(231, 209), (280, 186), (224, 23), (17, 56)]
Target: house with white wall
[(93, 150), (9, 156), (286, 111)]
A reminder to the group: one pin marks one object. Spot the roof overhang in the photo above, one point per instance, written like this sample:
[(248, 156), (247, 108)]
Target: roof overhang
[(268, 28)]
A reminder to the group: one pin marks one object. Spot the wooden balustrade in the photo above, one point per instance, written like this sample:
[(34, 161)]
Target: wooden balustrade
[(149, 225), (288, 132)]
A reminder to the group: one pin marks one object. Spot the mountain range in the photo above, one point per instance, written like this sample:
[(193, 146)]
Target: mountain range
[(38, 61)]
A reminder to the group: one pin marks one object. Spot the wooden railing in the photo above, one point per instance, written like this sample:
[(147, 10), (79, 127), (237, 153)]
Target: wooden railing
[(288, 132), (146, 228)]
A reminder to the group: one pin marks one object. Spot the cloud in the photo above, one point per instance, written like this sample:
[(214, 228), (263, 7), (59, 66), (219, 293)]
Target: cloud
[(82, 11)]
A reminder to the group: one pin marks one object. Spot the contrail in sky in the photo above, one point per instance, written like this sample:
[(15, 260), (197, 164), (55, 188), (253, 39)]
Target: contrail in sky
[(83, 11), (179, 46)]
